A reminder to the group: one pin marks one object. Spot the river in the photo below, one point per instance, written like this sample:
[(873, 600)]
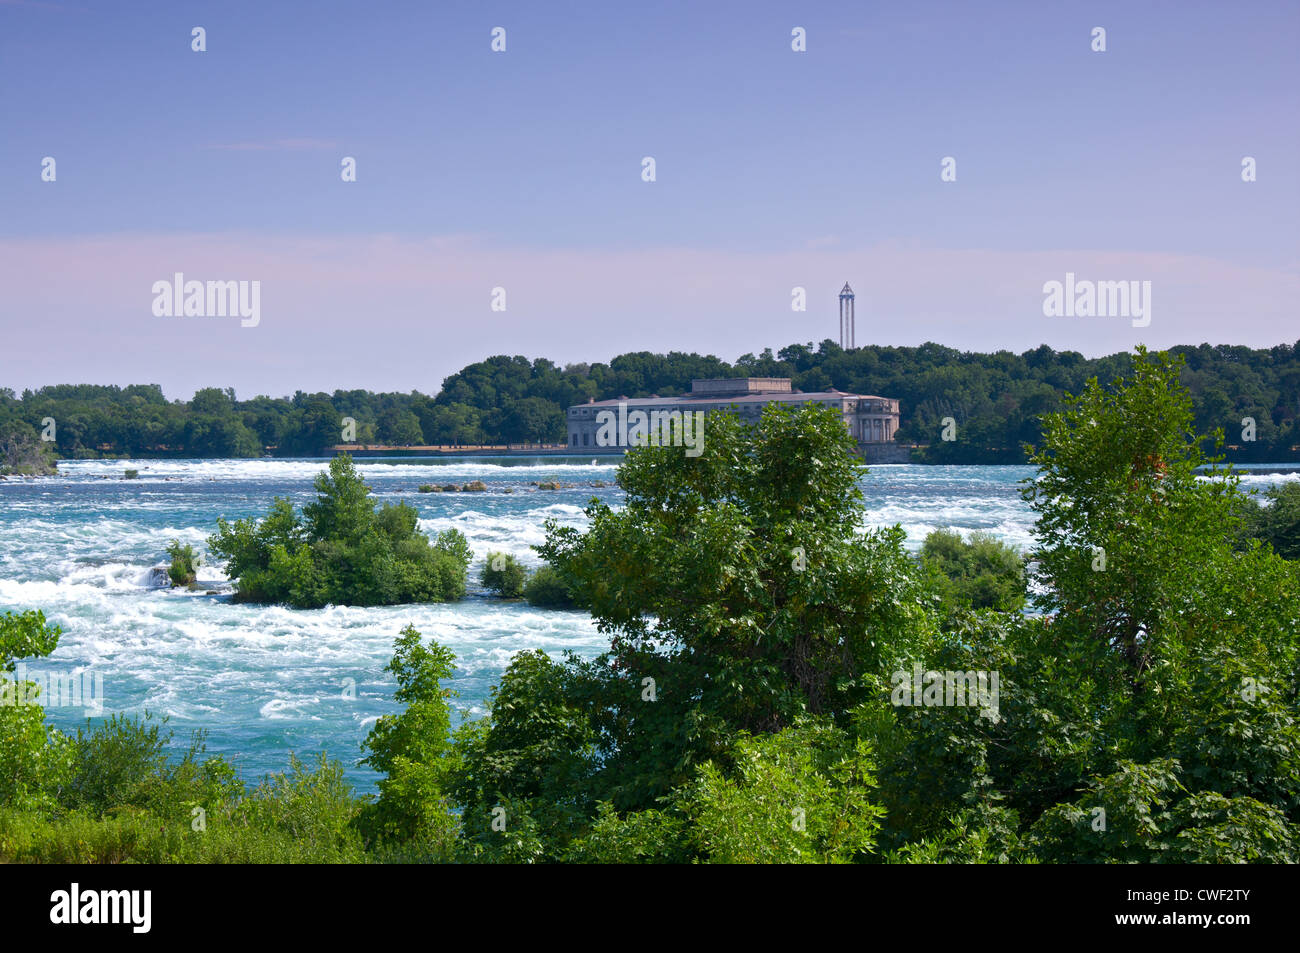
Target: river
[(267, 681)]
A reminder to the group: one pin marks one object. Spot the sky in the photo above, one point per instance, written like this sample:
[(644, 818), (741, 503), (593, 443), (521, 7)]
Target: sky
[(523, 170)]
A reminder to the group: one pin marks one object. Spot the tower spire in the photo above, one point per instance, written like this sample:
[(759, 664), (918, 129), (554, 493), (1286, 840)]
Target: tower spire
[(847, 321)]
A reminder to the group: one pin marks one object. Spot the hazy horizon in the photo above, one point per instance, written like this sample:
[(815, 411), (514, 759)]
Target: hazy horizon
[(522, 170)]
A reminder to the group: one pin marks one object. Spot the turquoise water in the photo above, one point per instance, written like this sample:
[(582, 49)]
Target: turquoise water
[(268, 681)]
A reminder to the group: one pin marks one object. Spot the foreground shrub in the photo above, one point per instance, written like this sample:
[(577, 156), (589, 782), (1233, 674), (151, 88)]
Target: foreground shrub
[(302, 817), (111, 762), (523, 780), (801, 795), (34, 758), (123, 763), (307, 815), (412, 817)]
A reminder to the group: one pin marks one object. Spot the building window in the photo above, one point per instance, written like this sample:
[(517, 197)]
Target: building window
[(575, 439), (584, 439)]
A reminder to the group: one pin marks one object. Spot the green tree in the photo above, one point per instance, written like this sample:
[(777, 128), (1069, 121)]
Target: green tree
[(979, 573), (524, 782), (740, 582), (1277, 522), (504, 575), (547, 589), (801, 795), (400, 428), (414, 752), (342, 509), (311, 429), (1151, 717), (21, 453), (1125, 526), (35, 759), (534, 420)]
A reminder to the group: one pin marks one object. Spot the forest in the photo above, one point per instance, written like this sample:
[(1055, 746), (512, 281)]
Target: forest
[(995, 399)]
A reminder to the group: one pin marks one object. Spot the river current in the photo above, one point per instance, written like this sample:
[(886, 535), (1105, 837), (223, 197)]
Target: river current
[(267, 681)]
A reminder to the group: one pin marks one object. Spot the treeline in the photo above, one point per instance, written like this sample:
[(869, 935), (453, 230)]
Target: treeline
[(994, 399)]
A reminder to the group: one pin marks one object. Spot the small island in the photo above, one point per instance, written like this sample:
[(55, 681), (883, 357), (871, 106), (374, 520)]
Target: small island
[(342, 550)]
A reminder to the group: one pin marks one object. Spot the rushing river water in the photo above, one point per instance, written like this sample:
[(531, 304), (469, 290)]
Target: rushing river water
[(268, 681)]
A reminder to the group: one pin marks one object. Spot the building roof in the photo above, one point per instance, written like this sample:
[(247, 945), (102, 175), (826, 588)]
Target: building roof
[(688, 399), (846, 291), (724, 386)]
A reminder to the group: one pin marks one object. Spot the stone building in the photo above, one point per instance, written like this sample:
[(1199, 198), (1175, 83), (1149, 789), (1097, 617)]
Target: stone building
[(871, 420)]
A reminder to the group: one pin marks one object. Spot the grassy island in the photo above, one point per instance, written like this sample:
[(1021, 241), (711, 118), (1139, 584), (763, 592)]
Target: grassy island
[(342, 550)]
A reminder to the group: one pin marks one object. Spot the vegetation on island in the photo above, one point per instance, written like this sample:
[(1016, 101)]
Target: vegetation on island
[(504, 574), (547, 589), (981, 572), (996, 401), (544, 587), (1274, 517), (785, 685), (182, 569), (342, 550)]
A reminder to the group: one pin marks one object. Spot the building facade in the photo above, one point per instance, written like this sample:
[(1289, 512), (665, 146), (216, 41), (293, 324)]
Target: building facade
[(871, 420)]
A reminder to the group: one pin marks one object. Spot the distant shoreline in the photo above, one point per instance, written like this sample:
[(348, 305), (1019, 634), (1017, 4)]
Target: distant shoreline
[(550, 450), (560, 453)]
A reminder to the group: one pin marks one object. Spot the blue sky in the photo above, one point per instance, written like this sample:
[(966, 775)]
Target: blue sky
[(521, 170)]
